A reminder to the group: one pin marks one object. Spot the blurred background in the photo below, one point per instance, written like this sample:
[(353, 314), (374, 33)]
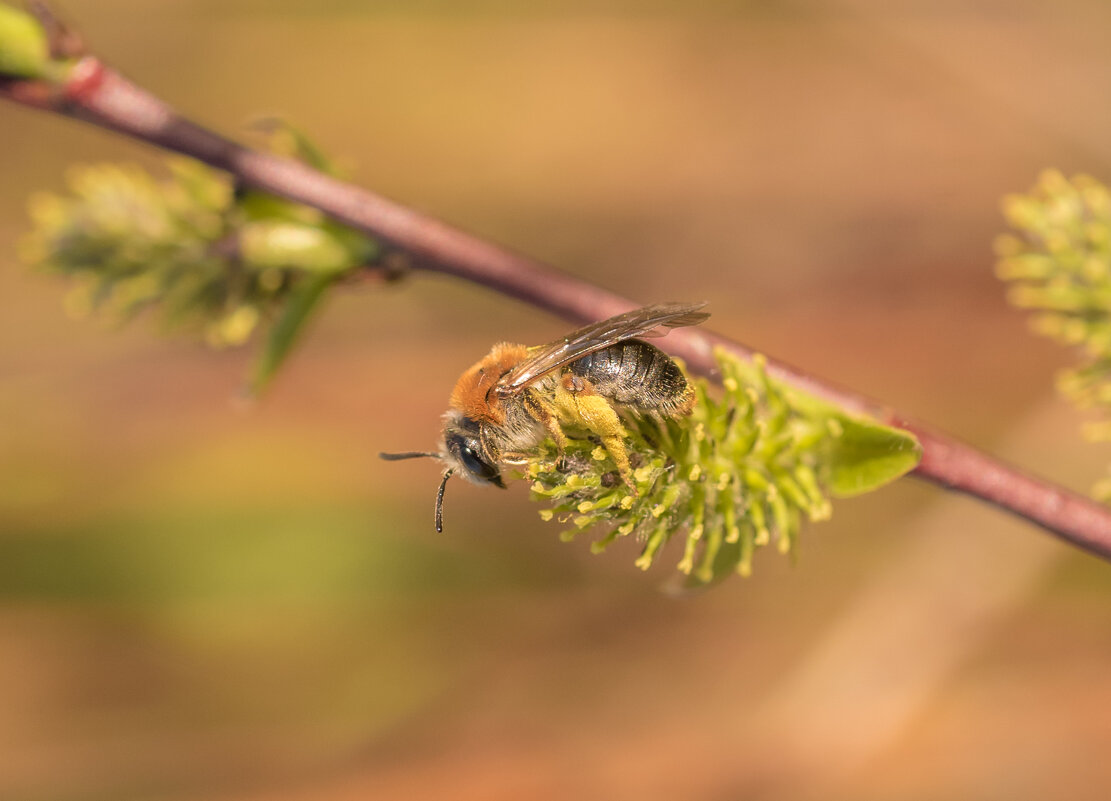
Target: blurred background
[(205, 601)]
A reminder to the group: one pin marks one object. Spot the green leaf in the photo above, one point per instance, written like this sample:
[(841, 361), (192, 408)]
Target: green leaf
[(299, 307), (286, 140), (256, 206), (866, 455), (362, 249), (24, 52)]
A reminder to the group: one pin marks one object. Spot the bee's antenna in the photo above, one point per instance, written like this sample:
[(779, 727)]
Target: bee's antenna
[(440, 502), (397, 457)]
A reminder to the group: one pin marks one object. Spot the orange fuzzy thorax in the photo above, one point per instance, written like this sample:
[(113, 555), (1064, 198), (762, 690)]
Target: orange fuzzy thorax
[(473, 394)]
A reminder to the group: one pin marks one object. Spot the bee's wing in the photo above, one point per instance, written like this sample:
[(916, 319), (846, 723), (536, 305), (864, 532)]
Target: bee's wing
[(642, 322)]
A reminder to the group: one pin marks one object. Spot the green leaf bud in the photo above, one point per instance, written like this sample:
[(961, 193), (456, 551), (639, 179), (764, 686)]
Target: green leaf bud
[(24, 49)]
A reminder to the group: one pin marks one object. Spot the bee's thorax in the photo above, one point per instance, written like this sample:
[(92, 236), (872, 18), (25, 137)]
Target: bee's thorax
[(474, 394)]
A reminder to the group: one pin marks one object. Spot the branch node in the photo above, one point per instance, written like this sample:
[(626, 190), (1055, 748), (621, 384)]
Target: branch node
[(84, 79)]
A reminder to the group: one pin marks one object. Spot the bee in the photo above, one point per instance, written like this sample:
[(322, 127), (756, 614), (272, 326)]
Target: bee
[(505, 404)]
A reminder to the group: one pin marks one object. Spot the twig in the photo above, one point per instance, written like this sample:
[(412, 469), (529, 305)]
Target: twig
[(97, 94)]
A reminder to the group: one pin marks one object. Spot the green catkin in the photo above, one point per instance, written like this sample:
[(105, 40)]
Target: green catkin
[(743, 470), (1058, 266), (204, 258), (132, 241)]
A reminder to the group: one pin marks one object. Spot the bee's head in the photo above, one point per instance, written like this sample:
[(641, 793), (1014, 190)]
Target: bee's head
[(463, 452)]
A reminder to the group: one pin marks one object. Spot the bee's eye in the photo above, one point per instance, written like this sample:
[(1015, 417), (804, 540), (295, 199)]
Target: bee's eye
[(474, 463), (465, 449)]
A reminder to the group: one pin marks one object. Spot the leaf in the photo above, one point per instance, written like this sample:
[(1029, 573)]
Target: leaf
[(865, 455), (299, 307), (362, 248), (24, 52), (257, 206), (286, 140)]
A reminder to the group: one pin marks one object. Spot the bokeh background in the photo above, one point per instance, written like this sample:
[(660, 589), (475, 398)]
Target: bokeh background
[(204, 601)]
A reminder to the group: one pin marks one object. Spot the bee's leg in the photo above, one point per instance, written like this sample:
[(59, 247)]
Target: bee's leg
[(542, 410), (596, 414), (489, 449)]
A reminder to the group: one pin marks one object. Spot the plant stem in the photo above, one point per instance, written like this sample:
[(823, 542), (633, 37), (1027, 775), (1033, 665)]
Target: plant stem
[(95, 93)]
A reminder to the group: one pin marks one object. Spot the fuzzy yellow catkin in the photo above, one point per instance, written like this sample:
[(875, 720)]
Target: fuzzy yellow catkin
[(738, 474), (1058, 267)]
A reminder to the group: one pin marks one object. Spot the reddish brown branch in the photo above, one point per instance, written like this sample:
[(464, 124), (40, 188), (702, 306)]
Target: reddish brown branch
[(98, 94)]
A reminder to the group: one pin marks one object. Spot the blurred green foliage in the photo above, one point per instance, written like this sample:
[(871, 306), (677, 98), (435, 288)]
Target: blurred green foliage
[(1059, 267), (212, 259), (325, 556), (24, 51)]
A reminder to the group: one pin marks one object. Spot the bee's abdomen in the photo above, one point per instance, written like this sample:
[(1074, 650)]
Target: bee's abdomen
[(634, 373)]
